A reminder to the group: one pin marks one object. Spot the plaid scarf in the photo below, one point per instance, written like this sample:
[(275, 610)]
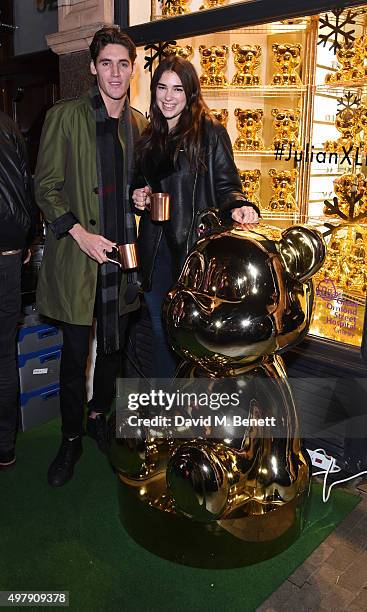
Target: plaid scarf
[(117, 221)]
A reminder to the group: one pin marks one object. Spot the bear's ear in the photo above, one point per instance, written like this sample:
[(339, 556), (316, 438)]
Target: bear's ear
[(258, 49), (272, 172), (237, 112), (274, 112), (275, 46), (201, 47), (235, 47), (303, 251), (208, 221)]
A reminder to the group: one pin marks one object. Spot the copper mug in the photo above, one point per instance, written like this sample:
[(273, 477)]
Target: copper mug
[(159, 207), (125, 256)]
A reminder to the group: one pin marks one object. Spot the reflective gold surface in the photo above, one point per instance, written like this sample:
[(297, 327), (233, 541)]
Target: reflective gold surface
[(221, 115), (350, 57), (249, 123), (283, 185), (242, 297), (340, 287), (347, 123), (213, 60), (247, 60), (287, 58), (250, 181), (209, 4), (285, 127), (175, 7), (185, 52)]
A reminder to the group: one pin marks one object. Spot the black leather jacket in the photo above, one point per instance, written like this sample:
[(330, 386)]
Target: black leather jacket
[(17, 209), (219, 186)]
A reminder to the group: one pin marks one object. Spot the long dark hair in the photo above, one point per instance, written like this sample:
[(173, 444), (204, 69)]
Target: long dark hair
[(188, 133)]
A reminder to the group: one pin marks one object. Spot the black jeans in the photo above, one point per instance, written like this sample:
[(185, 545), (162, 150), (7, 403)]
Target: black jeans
[(165, 364), (74, 357), (10, 305)]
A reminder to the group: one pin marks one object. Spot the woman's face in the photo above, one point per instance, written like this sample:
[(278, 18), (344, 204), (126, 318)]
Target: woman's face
[(170, 97)]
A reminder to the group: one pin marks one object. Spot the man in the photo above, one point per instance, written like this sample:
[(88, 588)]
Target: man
[(17, 216), (83, 178)]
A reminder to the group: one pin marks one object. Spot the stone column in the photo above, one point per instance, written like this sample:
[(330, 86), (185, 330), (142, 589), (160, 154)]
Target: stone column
[(78, 21)]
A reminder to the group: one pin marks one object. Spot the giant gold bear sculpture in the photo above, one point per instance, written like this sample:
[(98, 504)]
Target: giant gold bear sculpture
[(228, 496)]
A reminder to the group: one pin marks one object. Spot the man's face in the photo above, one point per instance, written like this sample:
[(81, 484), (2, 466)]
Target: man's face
[(113, 69)]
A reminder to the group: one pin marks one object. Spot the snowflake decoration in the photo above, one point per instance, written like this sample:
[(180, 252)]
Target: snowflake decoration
[(349, 100), (159, 52), (337, 30)]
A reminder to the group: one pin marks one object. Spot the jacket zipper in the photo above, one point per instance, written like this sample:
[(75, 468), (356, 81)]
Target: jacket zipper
[(192, 213)]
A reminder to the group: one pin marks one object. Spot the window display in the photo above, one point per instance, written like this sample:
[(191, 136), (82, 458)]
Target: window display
[(293, 97)]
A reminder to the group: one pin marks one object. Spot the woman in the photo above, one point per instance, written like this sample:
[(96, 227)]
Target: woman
[(184, 152)]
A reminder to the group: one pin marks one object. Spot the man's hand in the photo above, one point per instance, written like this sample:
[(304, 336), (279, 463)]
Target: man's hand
[(94, 245), (141, 197), (245, 215)]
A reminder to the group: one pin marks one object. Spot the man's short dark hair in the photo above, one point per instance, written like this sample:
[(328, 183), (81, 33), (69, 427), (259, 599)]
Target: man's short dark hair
[(111, 35)]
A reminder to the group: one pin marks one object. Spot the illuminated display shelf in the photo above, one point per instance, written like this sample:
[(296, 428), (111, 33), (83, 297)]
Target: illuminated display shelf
[(271, 91), (251, 153)]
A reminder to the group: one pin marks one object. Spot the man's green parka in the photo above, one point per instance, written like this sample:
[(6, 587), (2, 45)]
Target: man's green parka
[(66, 182)]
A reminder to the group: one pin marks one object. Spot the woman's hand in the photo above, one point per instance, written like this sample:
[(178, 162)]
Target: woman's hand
[(141, 197), (245, 215)]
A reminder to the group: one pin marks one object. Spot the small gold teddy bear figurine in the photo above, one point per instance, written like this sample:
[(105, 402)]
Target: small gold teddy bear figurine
[(221, 115), (214, 62), (175, 7), (208, 4), (247, 60), (185, 52), (250, 180), (249, 123), (286, 125), (283, 183), (347, 122), (287, 58), (350, 58)]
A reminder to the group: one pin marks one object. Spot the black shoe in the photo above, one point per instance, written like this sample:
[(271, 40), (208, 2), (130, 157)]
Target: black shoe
[(62, 468), (7, 459), (98, 430)]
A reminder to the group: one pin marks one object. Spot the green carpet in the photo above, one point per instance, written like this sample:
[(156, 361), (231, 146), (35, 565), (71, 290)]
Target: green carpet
[(71, 539)]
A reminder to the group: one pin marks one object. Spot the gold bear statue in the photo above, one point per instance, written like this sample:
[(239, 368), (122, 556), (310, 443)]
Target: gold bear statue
[(250, 180), (350, 58), (287, 58), (348, 124), (208, 4), (286, 125), (185, 52), (175, 7), (249, 123), (221, 115), (283, 184), (214, 61), (247, 60)]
